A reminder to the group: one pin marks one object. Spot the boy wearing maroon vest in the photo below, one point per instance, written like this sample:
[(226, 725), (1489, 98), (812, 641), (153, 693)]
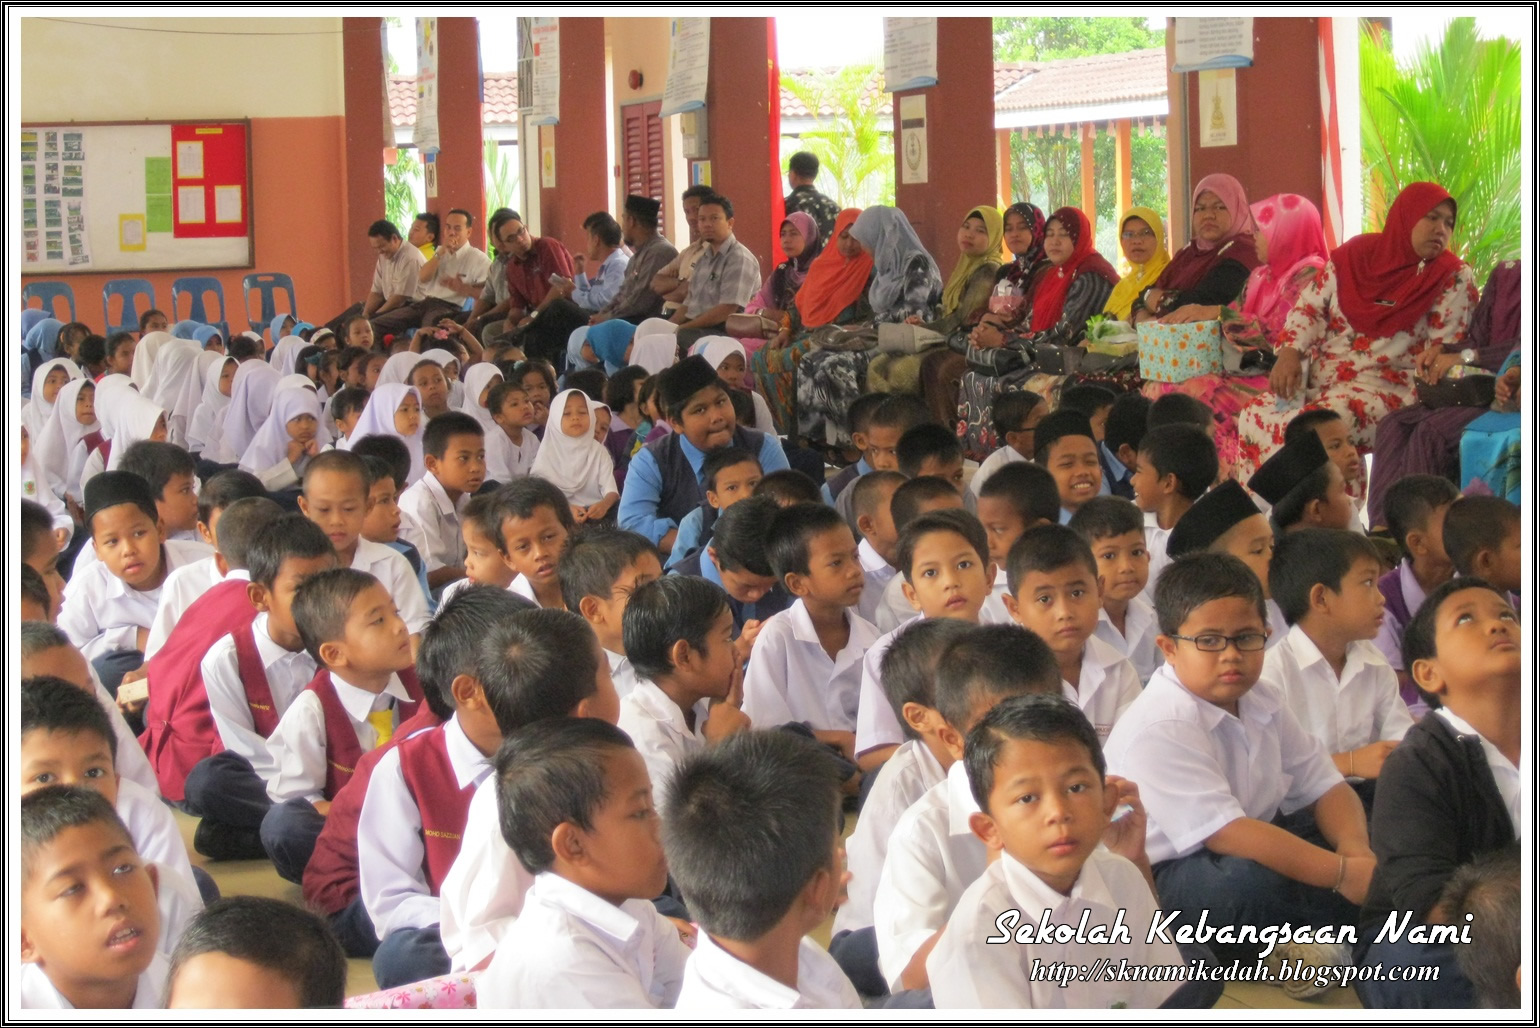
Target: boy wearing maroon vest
[(251, 676), (417, 799), (365, 688)]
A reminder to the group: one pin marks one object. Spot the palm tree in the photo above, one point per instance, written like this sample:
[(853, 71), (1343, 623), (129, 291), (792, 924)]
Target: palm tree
[(855, 144), (402, 182), (1452, 116)]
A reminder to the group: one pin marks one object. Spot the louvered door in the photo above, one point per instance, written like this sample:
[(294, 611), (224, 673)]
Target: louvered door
[(643, 167)]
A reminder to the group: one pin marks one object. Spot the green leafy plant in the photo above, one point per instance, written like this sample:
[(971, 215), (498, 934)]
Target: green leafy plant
[(403, 183), (502, 177), (855, 145), (1451, 115)]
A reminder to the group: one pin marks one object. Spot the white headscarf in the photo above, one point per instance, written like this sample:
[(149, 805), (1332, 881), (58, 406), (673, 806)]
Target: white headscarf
[(379, 418), (144, 357), (477, 378), (271, 443), (580, 467), (175, 367), (443, 358), (55, 447), (206, 430), (35, 415), (398, 369), (126, 418), (717, 349), (251, 400), (302, 381), (282, 359)]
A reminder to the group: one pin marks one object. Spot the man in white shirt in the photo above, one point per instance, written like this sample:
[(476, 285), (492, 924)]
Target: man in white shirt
[(456, 272)]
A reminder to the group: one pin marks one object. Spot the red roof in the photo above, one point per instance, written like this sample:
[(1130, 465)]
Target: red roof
[(1019, 86)]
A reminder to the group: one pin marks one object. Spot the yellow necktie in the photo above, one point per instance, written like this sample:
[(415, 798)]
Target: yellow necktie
[(384, 722)]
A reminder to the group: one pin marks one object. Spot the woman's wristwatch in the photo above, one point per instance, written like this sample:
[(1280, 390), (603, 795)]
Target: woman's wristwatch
[(1467, 356)]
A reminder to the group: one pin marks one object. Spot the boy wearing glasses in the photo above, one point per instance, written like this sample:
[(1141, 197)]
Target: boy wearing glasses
[(1218, 757)]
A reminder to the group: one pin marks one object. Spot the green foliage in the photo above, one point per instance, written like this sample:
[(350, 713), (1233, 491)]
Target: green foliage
[(1053, 39), (403, 184), (1451, 115), (855, 146), (502, 177)]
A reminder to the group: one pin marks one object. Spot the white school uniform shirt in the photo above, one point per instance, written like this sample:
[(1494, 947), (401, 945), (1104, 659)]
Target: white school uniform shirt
[(298, 744), (967, 973), (657, 726), (180, 590), (621, 672), (894, 608), (155, 833), (994, 462), (715, 980), (877, 724), (507, 460), (1138, 644), (1364, 706), (570, 948), (430, 521), (1277, 626), (1108, 685), (878, 574), (197, 549), (1156, 539), (390, 844), (909, 774), (133, 764), (993, 611), (287, 675), (102, 614), (791, 678), (395, 573), (36, 992), (1199, 768), (520, 586), (933, 856), (1509, 785), (484, 890)]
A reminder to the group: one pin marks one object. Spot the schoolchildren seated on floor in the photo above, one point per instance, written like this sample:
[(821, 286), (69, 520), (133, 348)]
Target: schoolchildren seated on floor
[(888, 420), (915, 497), (1218, 757), (788, 487), (287, 441), (1327, 668), (729, 475), (1304, 486), (871, 502), (1127, 422), (1451, 791), (1483, 536), (96, 946), (1016, 415), (1415, 508), (600, 574), (931, 450), (40, 553), (574, 461), (576, 808), (251, 677), (534, 522), (933, 856), (454, 456), (386, 461), (171, 474), (1046, 803), (1066, 446), (1226, 520), (551, 664), (480, 535), (735, 559), (256, 953), (1114, 529), (1176, 465), (1332, 431), (1055, 593), (1095, 402), (765, 805), (858, 420)]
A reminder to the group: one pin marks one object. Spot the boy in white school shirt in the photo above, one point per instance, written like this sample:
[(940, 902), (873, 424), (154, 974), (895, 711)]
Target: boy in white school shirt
[(251, 676), (1046, 807), (172, 476), (600, 572), (576, 809), (933, 854), (454, 453), (1176, 465), (534, 521), (96, 946), (1333, 678), (554, 668), (512, 454), (1114, 529), (336, 497), (915, 497), (187, 583), (1054, 593), (807, 659), (750, 831), (872, 499)]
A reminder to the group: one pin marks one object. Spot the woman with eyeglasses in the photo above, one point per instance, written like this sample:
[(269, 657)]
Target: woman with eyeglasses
[(1213, 267)]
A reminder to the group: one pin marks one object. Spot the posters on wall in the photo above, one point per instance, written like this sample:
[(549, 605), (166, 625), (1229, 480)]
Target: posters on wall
[(545, 72), (1204, 44), (53, 198), (689, 61), (908, 53), (425, 130), (1216, 107)]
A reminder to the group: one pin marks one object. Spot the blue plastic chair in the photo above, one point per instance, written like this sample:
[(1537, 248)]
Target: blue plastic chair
[(196, 287), (47, 293), (267, 284), (129, 290)]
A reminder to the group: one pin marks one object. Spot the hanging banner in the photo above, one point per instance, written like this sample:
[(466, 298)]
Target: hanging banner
[(545, 77), (908, 53), (425, 131), (689, 59), (387, 127), (1203, 44)]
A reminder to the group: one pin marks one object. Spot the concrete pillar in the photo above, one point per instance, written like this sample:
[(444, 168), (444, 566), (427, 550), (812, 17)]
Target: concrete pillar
[(745, 161), (1003, 165), (582, 139), (1088, 172), (461, 172), (959, 112), (365, 128), (1123, 156)]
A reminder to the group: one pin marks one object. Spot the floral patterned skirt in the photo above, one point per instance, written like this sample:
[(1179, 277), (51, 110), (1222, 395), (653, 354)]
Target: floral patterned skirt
[(828, 382), (1225, 395), (775, 377)]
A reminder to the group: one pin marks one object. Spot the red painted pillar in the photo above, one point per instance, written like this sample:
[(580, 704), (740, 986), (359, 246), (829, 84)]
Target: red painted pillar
[(583, 167), (364, 127), (461, 174), (959, 120), (738, 99)]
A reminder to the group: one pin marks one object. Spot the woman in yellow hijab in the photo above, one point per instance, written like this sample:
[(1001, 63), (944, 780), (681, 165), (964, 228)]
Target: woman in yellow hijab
[(981, 247), (1143, 240)]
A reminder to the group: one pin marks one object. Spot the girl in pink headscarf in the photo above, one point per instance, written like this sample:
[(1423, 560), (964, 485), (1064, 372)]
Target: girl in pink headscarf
[(1289, 241)]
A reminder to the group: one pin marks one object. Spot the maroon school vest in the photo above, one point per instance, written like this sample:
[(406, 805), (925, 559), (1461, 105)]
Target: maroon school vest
[(259, 695), (331, 876), (342, 749), (442, 804), (178, 728)]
